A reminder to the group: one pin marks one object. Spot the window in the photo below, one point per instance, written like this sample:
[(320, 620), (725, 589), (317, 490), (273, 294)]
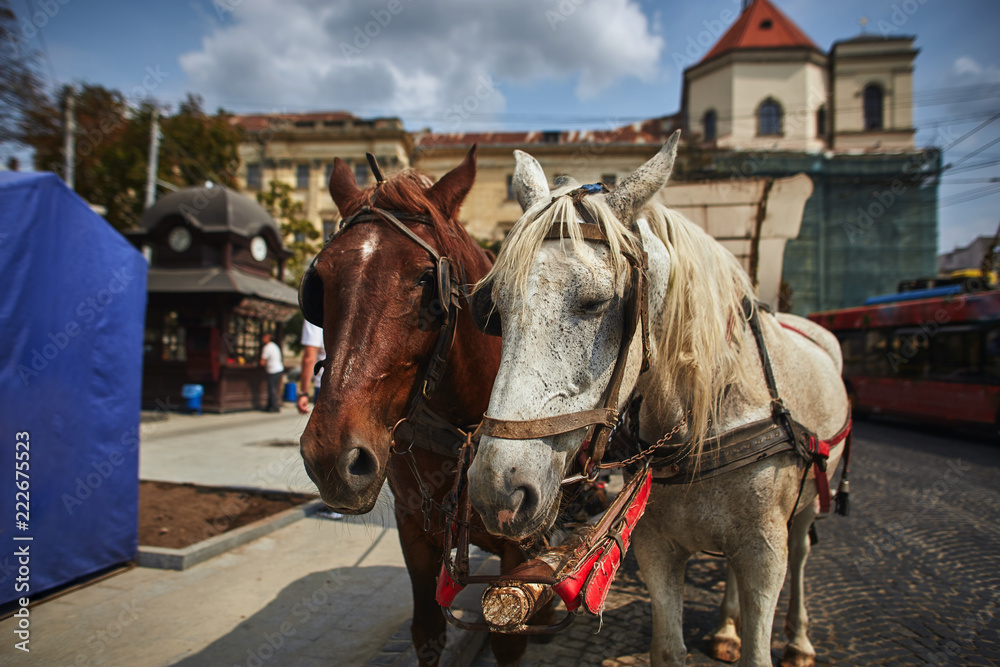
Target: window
[(329, 170), (876, 356), (709, 125), (253, 176), (991, 349), (299, 237), (852, 349), (821, 122), (173, 338), (909, 354), (956, 354), (241, 342), (302, 177), (609, 180), (873, 107), (329, 229), (550, 137), (769, 119), (510, 187), (361, 173)]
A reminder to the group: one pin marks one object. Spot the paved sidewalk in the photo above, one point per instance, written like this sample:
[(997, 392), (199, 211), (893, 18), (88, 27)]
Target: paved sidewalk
[(243, 449), (317, 592)]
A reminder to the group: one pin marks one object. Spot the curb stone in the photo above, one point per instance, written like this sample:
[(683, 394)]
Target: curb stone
[(165, 558)]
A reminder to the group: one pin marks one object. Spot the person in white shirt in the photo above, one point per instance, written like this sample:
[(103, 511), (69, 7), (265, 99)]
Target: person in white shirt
[(270, 359), (312, 351)]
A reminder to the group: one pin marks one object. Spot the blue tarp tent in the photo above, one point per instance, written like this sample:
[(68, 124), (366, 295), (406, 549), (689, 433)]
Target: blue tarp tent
[(72, 314)]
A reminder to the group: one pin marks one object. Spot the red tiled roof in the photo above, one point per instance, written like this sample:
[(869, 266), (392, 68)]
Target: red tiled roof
[(761, 26), (645, 132), (255, 122)]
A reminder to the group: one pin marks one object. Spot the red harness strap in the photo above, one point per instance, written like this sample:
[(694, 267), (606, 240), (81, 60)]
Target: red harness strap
[(821, 448), (590, 580)]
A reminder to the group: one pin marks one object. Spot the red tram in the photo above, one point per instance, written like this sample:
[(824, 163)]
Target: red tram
[(930, 355)]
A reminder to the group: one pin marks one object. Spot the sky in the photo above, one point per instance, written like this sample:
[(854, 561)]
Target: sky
[(464, 65)]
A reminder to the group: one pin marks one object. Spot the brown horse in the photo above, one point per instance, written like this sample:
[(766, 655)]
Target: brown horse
[(381, 330)]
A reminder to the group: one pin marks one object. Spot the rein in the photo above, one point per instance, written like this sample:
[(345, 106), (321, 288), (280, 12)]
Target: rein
[(605, 419)]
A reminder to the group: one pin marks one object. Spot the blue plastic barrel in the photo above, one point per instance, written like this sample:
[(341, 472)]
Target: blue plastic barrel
[(192, 394), (290, 393)]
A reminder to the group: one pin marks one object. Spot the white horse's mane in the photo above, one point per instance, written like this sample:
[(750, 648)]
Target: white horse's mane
[(698, 345)]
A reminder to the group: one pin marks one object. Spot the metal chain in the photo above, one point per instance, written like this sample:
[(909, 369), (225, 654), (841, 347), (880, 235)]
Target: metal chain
[(646, 452)]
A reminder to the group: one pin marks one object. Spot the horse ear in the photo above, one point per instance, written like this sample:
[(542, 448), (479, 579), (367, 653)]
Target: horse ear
[(530, 184), (633, 192), (343, 188), (452, 188)]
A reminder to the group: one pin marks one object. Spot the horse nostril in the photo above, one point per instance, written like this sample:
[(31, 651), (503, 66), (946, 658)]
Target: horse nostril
[(520, 503), (360, 463)]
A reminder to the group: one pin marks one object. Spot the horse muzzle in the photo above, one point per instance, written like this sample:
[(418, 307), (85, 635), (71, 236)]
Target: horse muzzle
[(348, 478), (510, 500)]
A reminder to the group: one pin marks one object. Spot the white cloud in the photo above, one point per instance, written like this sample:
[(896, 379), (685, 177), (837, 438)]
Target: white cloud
[(417, 58), (969, 70)]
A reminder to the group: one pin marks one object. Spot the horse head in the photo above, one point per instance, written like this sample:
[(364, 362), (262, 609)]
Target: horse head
[(382, 299), (564, 296)]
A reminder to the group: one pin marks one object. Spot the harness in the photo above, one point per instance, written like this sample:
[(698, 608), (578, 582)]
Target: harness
[(745, 444), (581, 572), (421, 426)]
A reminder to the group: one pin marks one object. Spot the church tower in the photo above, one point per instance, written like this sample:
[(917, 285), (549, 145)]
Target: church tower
[(872, 94), (766, 86), (763, 86)]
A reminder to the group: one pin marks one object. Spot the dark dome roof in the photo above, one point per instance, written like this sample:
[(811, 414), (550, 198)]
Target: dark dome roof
[(212, 209)]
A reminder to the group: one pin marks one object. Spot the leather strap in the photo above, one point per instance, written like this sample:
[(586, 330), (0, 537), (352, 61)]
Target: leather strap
[(422, 426), (512, 429)]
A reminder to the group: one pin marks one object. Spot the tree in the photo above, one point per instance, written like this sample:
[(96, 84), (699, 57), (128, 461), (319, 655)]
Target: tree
[(112, 147), (289, 214), (20, 81)]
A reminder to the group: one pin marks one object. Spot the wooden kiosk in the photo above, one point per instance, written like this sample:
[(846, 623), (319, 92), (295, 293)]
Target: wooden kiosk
[(216, 263)]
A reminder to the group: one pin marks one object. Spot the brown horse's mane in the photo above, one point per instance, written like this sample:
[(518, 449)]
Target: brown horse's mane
[(406, 192)]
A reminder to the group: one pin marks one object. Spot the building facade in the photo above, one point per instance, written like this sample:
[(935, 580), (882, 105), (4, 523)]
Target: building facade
[(765, 102)]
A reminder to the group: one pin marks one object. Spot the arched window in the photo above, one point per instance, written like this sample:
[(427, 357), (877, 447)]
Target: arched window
[(873, 107), (821, 122), (709, 123), (769, 118)]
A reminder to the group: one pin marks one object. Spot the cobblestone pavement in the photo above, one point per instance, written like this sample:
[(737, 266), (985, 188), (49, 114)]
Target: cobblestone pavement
[(911, 577)]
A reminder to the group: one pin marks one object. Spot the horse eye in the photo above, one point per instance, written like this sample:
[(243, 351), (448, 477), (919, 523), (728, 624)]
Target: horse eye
[(426, 279), (593, 306)]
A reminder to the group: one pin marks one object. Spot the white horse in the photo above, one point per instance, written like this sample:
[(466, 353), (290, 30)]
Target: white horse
[(561, 303)]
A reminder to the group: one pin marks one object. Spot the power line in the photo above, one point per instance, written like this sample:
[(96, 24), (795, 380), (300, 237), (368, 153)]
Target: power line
[(971, 195), (977, 151)]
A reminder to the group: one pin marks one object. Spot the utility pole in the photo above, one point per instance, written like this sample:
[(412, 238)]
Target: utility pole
[(69, 138), (154, 158)]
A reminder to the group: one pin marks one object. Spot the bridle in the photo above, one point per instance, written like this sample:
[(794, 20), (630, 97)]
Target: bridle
[(421, 425), (606, 418)]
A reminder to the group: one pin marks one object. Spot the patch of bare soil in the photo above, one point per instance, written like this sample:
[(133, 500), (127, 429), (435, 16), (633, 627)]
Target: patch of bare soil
[(179, 515)]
